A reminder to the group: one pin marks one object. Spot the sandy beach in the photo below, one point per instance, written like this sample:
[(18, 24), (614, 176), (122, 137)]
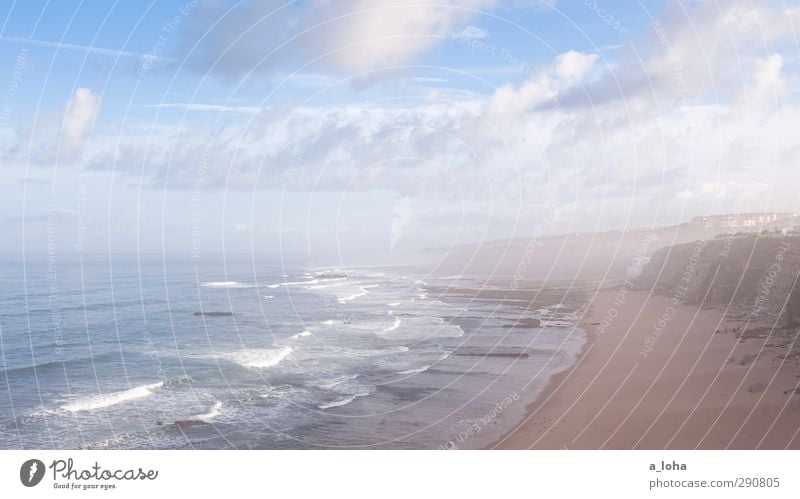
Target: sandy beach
[(656, 375)]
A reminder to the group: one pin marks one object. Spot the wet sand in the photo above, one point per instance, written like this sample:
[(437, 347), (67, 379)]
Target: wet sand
[(666, 376)]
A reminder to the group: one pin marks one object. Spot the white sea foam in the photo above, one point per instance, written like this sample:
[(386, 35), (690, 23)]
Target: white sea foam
[(394, 326), (424, 368), (338, 381), (343, 401), (326, 286), (219, 284), (375, 352), (337, 403), (227, 285), (211, 414), (415, 371), (108, 399), (300, 335), (108, 443), (259, 358), (268, 297), (353, 296), (36, 416), (452, 331), (294, 283), (276, 392), (362, 291), (394, 304)]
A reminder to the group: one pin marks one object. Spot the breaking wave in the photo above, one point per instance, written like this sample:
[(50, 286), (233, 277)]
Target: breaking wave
[(259, 358), (110, 399)]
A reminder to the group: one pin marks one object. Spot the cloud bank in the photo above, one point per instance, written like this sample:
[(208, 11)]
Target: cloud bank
[(699, 117)]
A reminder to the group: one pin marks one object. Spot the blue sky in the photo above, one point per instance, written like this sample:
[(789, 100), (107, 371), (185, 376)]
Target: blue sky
[(374, 127)]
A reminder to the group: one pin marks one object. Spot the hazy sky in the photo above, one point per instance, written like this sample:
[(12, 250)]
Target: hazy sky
[(376, 126)]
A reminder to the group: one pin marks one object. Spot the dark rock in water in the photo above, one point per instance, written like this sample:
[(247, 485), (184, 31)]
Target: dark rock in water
[(188, 423), (213, 314), (331, 276), (510, 355)]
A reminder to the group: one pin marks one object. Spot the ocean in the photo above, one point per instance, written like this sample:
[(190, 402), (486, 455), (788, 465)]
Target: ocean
[(123, 352)]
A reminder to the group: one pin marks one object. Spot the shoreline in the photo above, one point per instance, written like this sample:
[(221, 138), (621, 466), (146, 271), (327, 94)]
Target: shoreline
[(698, 385), (533, 407)]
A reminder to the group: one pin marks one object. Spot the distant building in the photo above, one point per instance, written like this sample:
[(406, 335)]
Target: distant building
[(748, 221)]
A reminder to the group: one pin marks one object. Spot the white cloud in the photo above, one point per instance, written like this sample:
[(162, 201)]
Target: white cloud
[(241, 228), (428, 79), (768, 85), (471, 156), (201, 107), (471, 33), (696, 50), (574, 65), (401, 215), (387, 33), (567, 70), (89, 49), (355, 36), (79, 115), (499, 149), (726, 191)]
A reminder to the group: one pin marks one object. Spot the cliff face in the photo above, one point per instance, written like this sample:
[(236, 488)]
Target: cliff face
[(756, 275), (563, 257)]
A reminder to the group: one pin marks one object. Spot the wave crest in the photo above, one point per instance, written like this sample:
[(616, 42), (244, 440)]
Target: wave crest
[(227, 285), (259, 358), (109, 399)]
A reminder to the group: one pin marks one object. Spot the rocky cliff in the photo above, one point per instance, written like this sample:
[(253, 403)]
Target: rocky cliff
[(757, 275)]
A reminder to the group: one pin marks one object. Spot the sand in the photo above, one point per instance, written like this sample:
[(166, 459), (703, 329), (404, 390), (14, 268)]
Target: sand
[(697, 386)]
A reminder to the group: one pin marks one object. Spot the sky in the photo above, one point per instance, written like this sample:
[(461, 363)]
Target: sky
[(371, 127)]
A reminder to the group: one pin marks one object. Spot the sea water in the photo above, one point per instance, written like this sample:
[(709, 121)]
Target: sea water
[(170, 353)]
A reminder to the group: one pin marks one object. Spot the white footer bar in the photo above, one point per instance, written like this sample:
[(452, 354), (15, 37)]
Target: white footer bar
[(399, 474)]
